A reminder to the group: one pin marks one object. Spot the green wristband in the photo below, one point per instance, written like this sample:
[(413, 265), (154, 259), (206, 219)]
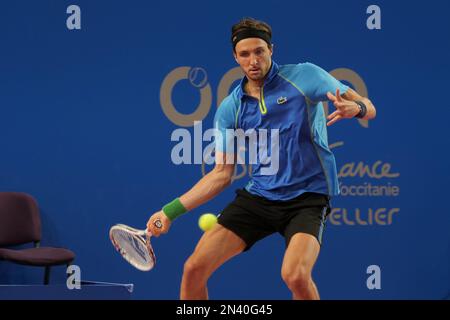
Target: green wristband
[(174, 209)]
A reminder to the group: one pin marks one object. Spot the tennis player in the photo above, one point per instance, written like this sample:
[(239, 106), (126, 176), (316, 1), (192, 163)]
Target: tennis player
[(295, 200)]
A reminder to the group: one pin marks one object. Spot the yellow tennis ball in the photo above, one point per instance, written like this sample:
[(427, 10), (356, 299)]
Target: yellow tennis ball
[(207, 221)]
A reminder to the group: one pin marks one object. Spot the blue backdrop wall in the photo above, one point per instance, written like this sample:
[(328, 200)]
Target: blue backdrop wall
[(85, 128)]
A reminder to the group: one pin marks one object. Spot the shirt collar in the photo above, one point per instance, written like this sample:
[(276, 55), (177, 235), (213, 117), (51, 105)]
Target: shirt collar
[(273, 71)]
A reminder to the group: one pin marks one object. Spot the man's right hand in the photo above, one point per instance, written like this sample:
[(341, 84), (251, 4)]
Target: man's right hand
[(152, 224)]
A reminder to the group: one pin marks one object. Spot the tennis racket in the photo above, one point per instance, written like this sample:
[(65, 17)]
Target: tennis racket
[(134, 245)]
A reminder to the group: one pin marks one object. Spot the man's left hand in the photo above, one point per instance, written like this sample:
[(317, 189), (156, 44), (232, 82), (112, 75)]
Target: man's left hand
[(344, 108)]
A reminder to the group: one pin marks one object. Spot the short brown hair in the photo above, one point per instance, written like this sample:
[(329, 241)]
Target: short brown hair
[(252, 24)]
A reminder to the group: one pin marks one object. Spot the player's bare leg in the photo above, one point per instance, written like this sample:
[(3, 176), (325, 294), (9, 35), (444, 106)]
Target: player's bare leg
[(298, 262), (213, 249)]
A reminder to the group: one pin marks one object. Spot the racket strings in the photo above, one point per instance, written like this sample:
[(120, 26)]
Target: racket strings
[(131, 248)]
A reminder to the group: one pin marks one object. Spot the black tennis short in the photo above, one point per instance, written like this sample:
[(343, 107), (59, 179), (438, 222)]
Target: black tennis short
[(253, 217)]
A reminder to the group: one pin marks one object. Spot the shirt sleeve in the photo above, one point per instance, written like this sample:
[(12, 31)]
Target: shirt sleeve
[(316, 82), (225, 118)]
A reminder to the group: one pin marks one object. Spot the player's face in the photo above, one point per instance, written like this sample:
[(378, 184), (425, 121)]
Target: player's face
[(254, 57)]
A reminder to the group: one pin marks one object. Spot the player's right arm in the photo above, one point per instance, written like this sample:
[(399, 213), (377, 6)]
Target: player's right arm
[(212, 183)]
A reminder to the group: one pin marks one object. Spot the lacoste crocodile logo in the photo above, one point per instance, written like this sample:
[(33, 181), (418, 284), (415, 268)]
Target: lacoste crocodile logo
[(281, 100)]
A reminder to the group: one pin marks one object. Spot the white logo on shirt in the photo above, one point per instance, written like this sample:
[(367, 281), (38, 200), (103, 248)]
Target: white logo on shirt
[(281, 100)]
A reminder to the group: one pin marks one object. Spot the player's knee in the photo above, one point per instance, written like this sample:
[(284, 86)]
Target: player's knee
[(296, 279), (193, 268)]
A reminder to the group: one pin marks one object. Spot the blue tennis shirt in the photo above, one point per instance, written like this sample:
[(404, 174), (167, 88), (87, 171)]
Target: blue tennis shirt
[(291, 101)]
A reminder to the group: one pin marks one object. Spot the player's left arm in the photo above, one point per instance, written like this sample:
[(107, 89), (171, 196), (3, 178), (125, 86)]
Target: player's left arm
[(346, 106)]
